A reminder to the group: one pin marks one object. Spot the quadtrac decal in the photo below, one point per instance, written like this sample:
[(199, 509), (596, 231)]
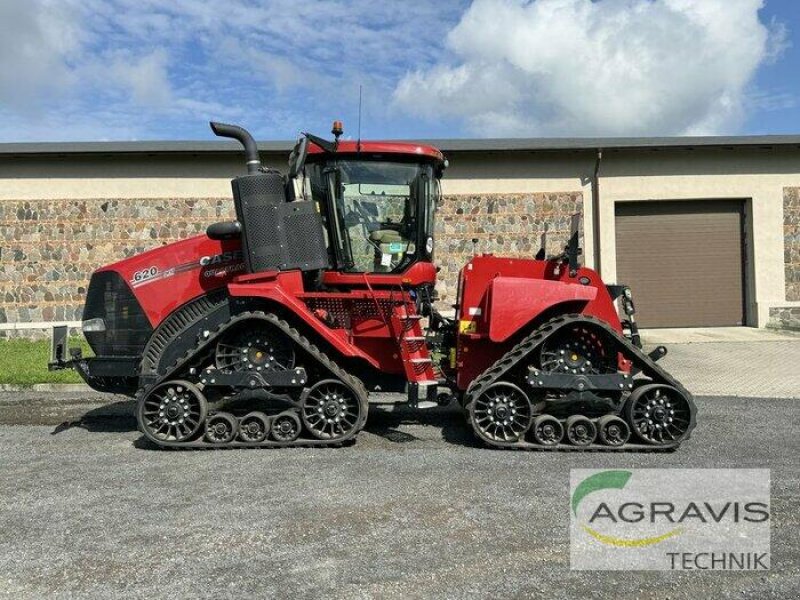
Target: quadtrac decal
[(222, 264)]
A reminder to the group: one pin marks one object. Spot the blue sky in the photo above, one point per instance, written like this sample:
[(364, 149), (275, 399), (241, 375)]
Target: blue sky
[(160, 69), (779, 80)]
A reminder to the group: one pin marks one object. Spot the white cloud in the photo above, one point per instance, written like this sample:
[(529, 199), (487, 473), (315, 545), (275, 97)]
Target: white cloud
[(152, 68), (608, 67), (146, 77), (37, 40), (134, 69), (62, 76)]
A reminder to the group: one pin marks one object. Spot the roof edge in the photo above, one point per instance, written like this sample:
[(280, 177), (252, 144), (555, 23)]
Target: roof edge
[(445, 145)]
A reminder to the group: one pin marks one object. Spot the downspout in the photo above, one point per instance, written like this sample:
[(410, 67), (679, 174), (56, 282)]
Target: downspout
[(596, 210)]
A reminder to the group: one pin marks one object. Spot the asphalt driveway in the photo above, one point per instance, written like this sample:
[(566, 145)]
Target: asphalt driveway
[(413, 509)]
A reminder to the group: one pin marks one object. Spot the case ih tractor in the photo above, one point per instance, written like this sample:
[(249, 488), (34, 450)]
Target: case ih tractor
[(272, 330)]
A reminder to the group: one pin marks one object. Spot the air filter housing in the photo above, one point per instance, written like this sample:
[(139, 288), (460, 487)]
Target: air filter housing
[(277, 235)]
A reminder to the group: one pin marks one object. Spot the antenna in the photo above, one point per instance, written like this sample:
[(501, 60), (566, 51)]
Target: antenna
[(358, 144)]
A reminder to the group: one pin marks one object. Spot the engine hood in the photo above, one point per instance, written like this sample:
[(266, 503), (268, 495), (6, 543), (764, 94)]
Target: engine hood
[(166, 277)]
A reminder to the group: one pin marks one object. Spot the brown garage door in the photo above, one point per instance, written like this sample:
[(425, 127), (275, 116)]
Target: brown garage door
[(683, 261)]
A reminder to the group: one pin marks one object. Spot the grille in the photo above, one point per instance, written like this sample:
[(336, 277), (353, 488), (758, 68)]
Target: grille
[(264, 251), (344, 311), (127, 327)]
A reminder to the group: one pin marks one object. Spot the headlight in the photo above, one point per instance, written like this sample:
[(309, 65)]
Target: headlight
[(94, 325), (429, 245)]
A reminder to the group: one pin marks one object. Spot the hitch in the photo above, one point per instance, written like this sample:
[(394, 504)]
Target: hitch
[(423, 394), (59, 350), (658, 353)]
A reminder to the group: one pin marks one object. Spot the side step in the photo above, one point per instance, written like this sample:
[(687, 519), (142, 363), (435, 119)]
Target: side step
[(413, 350)]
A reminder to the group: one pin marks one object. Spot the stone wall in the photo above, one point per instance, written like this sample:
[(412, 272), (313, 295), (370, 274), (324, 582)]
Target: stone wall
[(788, 317), (784, 317), (503, 224), (791, 242), (50, 247)]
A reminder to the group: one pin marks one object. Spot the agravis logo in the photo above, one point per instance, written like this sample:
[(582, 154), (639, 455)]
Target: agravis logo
[(614, 480), (648, 518)]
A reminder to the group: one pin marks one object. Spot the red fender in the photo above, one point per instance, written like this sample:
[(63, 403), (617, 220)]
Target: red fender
[(516, 301)]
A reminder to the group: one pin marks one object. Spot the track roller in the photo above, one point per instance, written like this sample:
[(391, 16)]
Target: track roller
[(613, 431), (547, 430), (285, 427), (221, 428), (580, 430), (254, 427), (173, 411)]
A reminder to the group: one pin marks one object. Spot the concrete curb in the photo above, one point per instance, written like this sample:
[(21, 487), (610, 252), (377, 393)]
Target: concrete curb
[(46, 387)]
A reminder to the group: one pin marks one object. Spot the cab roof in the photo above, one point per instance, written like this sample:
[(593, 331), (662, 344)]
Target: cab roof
[(406, 149)]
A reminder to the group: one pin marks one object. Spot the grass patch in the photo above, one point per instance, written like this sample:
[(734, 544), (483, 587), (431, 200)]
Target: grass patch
[(24, 362)]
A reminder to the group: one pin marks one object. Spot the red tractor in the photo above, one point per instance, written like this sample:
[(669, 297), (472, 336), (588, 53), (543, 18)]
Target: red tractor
[(273, 329)]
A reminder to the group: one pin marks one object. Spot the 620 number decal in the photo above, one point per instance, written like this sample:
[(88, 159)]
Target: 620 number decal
[(145, 274)]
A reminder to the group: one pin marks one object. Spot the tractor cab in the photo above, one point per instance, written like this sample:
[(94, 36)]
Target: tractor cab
[(358, 213), (377, 201)]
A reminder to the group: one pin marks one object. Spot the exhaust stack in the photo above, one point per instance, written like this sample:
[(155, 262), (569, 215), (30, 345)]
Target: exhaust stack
[(243, 136)]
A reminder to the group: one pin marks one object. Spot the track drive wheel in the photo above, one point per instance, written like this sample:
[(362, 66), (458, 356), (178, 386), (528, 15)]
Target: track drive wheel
[(578, 349), (221, 428), (547, 430), (331, 409), (173, 411), (580, 430), (613, 431), (502, 413), (659, 414), (259, 349)]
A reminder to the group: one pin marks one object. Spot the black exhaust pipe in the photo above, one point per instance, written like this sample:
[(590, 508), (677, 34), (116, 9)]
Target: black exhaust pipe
[(244, 137)]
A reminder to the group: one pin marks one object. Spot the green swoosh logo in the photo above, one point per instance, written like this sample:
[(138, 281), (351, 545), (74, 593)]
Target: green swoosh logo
[(612, 480), (599, 481)]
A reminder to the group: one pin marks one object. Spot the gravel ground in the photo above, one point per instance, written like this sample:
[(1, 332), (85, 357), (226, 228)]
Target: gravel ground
[(413, 509)]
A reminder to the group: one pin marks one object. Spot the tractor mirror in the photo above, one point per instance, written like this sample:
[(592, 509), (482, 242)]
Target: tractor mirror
[(574, 226), (297, 159), (573, 251), (542, 253)]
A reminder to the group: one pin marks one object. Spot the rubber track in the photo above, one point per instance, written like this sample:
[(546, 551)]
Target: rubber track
[(322, 359), (524, 348), (176, 324)]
